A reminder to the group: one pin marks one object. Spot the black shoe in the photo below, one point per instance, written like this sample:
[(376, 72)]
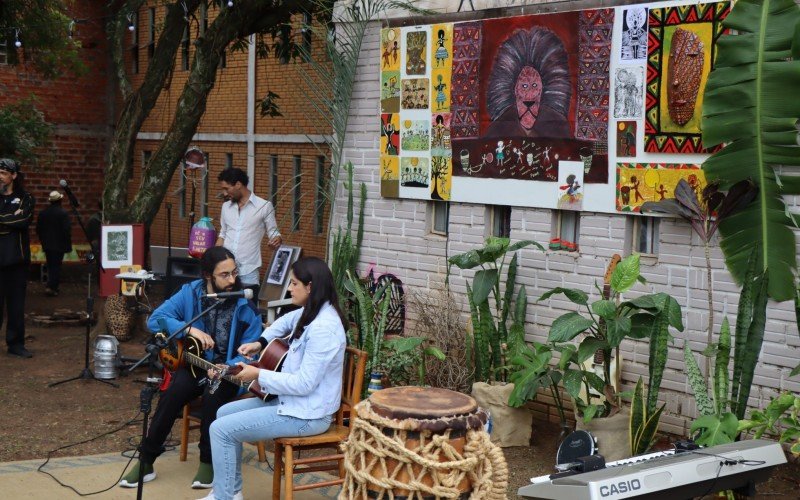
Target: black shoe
[(20, 351)]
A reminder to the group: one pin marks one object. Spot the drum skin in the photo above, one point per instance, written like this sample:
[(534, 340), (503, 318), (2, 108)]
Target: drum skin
[(686, 60)]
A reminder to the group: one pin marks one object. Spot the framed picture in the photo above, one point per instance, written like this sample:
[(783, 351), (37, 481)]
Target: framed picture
[(281, 262), (116, 246)]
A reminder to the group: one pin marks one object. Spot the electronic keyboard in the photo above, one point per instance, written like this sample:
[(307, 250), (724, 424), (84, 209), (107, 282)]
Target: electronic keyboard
[(669, 475)]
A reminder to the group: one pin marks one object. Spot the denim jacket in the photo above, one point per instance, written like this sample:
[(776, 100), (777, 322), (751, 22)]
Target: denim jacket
[(309, 385)]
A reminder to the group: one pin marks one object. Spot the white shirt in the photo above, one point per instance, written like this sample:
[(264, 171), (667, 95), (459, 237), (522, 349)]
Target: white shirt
[(243, 229)]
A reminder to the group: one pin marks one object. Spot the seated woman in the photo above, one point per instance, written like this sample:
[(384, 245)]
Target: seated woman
[(308, 387)]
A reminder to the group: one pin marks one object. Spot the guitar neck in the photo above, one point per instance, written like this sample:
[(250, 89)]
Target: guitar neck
[(206, 365)]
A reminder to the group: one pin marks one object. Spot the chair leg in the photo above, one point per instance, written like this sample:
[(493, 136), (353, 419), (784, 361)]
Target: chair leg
[(184, 433), (262, 453), (341, 468), (277, 473), (289, 472)]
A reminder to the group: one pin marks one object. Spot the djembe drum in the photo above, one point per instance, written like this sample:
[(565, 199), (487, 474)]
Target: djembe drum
[(421, 443)]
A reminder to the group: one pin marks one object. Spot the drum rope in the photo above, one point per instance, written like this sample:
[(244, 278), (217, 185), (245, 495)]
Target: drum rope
[(378, 462)]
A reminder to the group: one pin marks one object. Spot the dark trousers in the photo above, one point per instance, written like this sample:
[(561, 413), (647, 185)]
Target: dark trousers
[(54, 260), (183, 389), (13, 283)]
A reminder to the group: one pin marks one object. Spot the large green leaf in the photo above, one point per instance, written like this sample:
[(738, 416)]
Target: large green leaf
[(747, 106), (576, 296), (721, 373), (567, 326), (697, 382), (713, 430), (482, 285), (625, 274)]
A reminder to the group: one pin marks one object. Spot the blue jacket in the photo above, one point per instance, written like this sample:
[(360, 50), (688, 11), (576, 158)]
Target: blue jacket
[(185, 305)]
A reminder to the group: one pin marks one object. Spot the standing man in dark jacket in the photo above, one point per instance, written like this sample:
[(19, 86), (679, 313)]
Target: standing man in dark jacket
[(55, 233), (16, 214)]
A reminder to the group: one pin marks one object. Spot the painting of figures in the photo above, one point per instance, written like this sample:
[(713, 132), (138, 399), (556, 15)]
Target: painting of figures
[(415, 94), (629, 92), (414, 172), (634, 34), (641, 182)]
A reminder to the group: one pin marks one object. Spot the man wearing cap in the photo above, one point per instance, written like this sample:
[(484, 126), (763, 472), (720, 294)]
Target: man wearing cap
[(16, 214), (55, 234)]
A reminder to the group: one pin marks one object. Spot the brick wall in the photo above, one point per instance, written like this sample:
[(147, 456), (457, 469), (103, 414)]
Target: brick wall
[(78, 107), (397, 240)]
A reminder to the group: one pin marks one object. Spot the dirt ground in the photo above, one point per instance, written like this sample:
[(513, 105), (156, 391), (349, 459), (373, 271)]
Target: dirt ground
[(37, 418)]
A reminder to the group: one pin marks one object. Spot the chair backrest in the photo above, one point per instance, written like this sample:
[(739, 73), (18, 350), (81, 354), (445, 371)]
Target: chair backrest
[(355, 367)]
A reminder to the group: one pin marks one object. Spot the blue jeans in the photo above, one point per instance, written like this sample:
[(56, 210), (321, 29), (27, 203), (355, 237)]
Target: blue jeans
[(250, 420)]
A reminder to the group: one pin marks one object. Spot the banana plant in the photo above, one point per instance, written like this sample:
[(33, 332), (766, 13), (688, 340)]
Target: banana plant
[(748, 107)]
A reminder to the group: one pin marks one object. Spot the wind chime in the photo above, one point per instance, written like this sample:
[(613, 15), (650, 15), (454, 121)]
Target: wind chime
[(201, 235)]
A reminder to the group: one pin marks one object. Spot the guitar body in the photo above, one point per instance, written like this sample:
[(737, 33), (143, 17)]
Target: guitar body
[(272, 358), (173, 356)]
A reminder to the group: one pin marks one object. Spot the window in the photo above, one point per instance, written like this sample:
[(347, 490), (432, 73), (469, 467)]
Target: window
[(134, 20), (296, 194), (440, 217), (644, 237), (185, 48), (566, 228), (306, 30), (273, 180), (319, 205), (228, 160), (499, 221), (151, 32), (3, 51)]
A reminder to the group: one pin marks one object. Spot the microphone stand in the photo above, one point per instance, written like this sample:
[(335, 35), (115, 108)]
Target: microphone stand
[(86, 373), (152, 383)]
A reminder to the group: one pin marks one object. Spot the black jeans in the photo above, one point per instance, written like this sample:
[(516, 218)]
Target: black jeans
[(54, 260), (13, 283), (183, 389)]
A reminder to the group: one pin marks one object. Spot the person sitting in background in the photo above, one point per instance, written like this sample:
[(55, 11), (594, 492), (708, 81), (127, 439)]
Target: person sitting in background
[(220, 333), (308, 386), (54, 229)]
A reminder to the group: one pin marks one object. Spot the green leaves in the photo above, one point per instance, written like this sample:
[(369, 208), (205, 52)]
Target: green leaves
[(625, 274), (712, 430), (745, 107), (643, 423), (568, 326), (697, 382), (576, 296)]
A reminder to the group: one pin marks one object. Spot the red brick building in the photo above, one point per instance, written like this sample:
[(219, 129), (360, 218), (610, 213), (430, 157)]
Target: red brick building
[(284, 156)]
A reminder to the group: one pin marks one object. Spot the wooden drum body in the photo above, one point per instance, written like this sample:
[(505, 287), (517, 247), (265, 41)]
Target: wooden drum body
[(420, 443)]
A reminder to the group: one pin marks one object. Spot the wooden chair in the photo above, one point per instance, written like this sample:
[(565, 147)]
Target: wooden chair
[(191, 420), (355, 364)]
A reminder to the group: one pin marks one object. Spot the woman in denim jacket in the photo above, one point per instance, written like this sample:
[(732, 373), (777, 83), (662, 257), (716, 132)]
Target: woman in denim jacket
[(308, 387)]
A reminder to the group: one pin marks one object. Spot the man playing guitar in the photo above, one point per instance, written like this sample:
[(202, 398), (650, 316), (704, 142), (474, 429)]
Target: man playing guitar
[(219, 335)]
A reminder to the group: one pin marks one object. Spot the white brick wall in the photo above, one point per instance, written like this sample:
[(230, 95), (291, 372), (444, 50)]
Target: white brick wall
[(397, 240)]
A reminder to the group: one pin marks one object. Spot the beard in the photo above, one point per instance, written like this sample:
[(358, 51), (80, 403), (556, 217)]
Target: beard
[(235, 287)]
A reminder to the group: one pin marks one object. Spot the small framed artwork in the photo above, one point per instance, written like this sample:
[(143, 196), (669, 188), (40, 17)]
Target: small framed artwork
[(116, 246), (281, 262)]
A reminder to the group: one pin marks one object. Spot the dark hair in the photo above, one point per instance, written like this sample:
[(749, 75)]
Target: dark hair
[(315, 271), (233, 175), (212, 257)]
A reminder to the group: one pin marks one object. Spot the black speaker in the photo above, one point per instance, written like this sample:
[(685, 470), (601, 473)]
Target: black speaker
[(181, 270)]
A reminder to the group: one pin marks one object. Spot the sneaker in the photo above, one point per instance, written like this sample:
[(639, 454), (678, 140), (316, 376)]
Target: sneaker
[(204, 477), (236, 496), (131, 479), (20, 351)]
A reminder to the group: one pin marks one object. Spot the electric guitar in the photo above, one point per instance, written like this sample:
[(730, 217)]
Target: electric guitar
[(189, 351)]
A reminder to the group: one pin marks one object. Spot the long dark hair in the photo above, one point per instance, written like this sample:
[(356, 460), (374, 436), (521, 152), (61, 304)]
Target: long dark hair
[(212, 257), (315, 271)]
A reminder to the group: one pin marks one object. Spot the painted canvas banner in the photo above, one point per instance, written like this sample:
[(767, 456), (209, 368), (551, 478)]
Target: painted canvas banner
[(681, 52), (641, 182)]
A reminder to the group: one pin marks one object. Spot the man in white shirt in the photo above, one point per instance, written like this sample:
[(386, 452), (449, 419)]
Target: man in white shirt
[(245, 219)]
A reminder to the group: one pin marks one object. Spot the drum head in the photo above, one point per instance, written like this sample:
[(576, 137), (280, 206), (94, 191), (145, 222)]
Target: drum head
[(577, 444), (421, 403)]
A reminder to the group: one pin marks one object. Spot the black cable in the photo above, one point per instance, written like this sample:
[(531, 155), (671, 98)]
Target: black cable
[(108, 433), (723, 462)]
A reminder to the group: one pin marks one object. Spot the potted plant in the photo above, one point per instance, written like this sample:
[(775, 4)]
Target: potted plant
[(605, 323)]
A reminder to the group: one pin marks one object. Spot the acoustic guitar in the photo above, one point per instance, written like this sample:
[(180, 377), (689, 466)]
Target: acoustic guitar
[(189, 351)]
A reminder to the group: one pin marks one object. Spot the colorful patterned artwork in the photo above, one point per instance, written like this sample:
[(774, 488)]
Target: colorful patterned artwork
[(414, 171), (390, 177), (594, 30), (570, 186), (390, 49), (441, 177), (626, 139), (681, 50), (390, 92), (416, 52), (440, 134), (390, 134), (415, 135), (641, 182), (634, 34), (415, 94)]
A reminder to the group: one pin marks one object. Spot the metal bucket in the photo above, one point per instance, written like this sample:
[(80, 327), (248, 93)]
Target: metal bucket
[(106, 349)]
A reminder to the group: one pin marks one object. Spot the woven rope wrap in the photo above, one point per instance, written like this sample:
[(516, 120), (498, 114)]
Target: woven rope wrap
[(379, 463)]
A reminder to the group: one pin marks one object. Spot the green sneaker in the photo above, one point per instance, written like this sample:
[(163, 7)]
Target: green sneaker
[(131, 479), (204, 477)]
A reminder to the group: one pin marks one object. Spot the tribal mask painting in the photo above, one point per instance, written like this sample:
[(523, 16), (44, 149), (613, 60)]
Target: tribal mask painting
[(686, 59)]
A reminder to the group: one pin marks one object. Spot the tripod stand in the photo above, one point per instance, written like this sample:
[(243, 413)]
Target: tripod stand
[(86, 373)]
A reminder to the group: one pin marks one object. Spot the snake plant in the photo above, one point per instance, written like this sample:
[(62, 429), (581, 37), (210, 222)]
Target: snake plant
[(749, 106)]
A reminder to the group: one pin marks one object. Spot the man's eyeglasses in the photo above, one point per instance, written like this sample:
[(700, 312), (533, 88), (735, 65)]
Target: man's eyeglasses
[(228, 275)]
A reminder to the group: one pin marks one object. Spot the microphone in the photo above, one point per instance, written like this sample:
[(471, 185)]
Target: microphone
[(246, 293), (70, 194)]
